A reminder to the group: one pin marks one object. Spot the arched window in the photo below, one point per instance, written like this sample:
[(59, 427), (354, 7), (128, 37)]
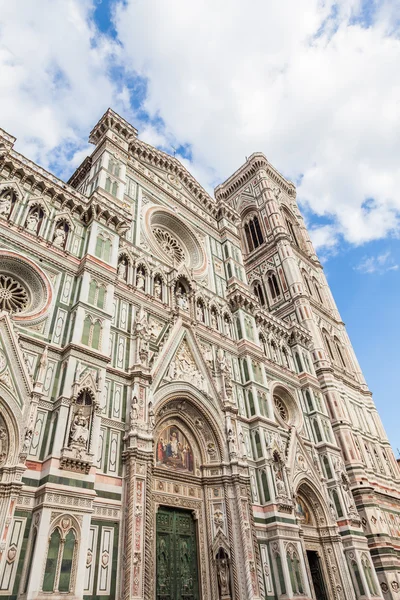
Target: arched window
[(298, 362), (339, 352), (308, 285), (60, 557), (87, 324), (280, 573), (338, 506), (259, 293), (96, 335), (357, 576), (91, 334), (294, 570), (31, 555), (97, 294), (317, 431), (318, 291), (51, 562), (273, 286), (66, 562), (265, 488), (251, 404), (327, 467), (292, 232), (309, 401), (329, 347), (253, 233), (257, 442), (368, 575), (103, 247)]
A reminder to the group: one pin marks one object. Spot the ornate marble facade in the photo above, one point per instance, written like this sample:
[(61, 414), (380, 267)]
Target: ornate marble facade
[(181, 411)]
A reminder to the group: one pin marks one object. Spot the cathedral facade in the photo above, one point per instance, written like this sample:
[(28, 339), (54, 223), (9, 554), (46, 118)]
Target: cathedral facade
[(182, 415)]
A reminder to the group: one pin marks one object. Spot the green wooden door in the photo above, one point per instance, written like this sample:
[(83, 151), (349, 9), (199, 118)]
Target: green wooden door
[(177, 572)]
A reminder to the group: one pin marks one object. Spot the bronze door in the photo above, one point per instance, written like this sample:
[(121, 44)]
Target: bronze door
[(177, 571)]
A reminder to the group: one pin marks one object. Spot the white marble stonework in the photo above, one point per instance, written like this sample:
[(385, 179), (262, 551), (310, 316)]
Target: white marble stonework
[(182, 415)]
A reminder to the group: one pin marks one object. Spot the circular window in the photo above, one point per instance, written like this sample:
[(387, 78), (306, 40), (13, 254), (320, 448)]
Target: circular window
[(281, 409), (25, 291), (13, 296), (173, 240), (286, 408), (169, 244)]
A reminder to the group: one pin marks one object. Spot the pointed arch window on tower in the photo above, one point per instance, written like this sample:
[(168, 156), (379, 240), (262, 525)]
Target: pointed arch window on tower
[(273, 286), (292, 231), (254, 236), (258, 291)]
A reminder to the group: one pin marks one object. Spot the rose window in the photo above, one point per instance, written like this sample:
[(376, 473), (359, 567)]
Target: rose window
[(169, 244), (13, 296), (281, 409)]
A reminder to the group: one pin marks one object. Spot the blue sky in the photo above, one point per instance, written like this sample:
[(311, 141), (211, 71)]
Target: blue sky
[(314, 85)]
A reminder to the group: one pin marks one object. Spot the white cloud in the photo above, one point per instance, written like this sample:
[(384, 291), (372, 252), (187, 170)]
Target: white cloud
[(54, 77), (304, 82), (378, 264)]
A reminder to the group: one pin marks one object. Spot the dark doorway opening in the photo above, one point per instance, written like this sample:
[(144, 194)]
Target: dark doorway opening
[(316, 575)]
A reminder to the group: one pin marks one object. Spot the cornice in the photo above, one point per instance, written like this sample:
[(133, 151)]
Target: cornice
[(247, 171), (159, 159), (111, 120)]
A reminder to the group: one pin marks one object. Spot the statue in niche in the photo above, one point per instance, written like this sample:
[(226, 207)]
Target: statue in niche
[(143, 337), (200, 312), (181, 297), (32, 222), (134, 412), (223, 574), (225, 371), (232, 443), (157, 289), (4, 442), (122, 270), (79, 433), (27, 441), (60, 236), (214, 322), (140, 280), (227, 327), (5, 204)]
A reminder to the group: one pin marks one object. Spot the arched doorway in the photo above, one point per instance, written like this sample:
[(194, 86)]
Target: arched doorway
[(189, 509), (317, 532)]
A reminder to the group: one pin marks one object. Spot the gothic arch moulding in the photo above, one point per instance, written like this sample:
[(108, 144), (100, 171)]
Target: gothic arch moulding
[(10, 430), (320, 513), (195, 421)]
